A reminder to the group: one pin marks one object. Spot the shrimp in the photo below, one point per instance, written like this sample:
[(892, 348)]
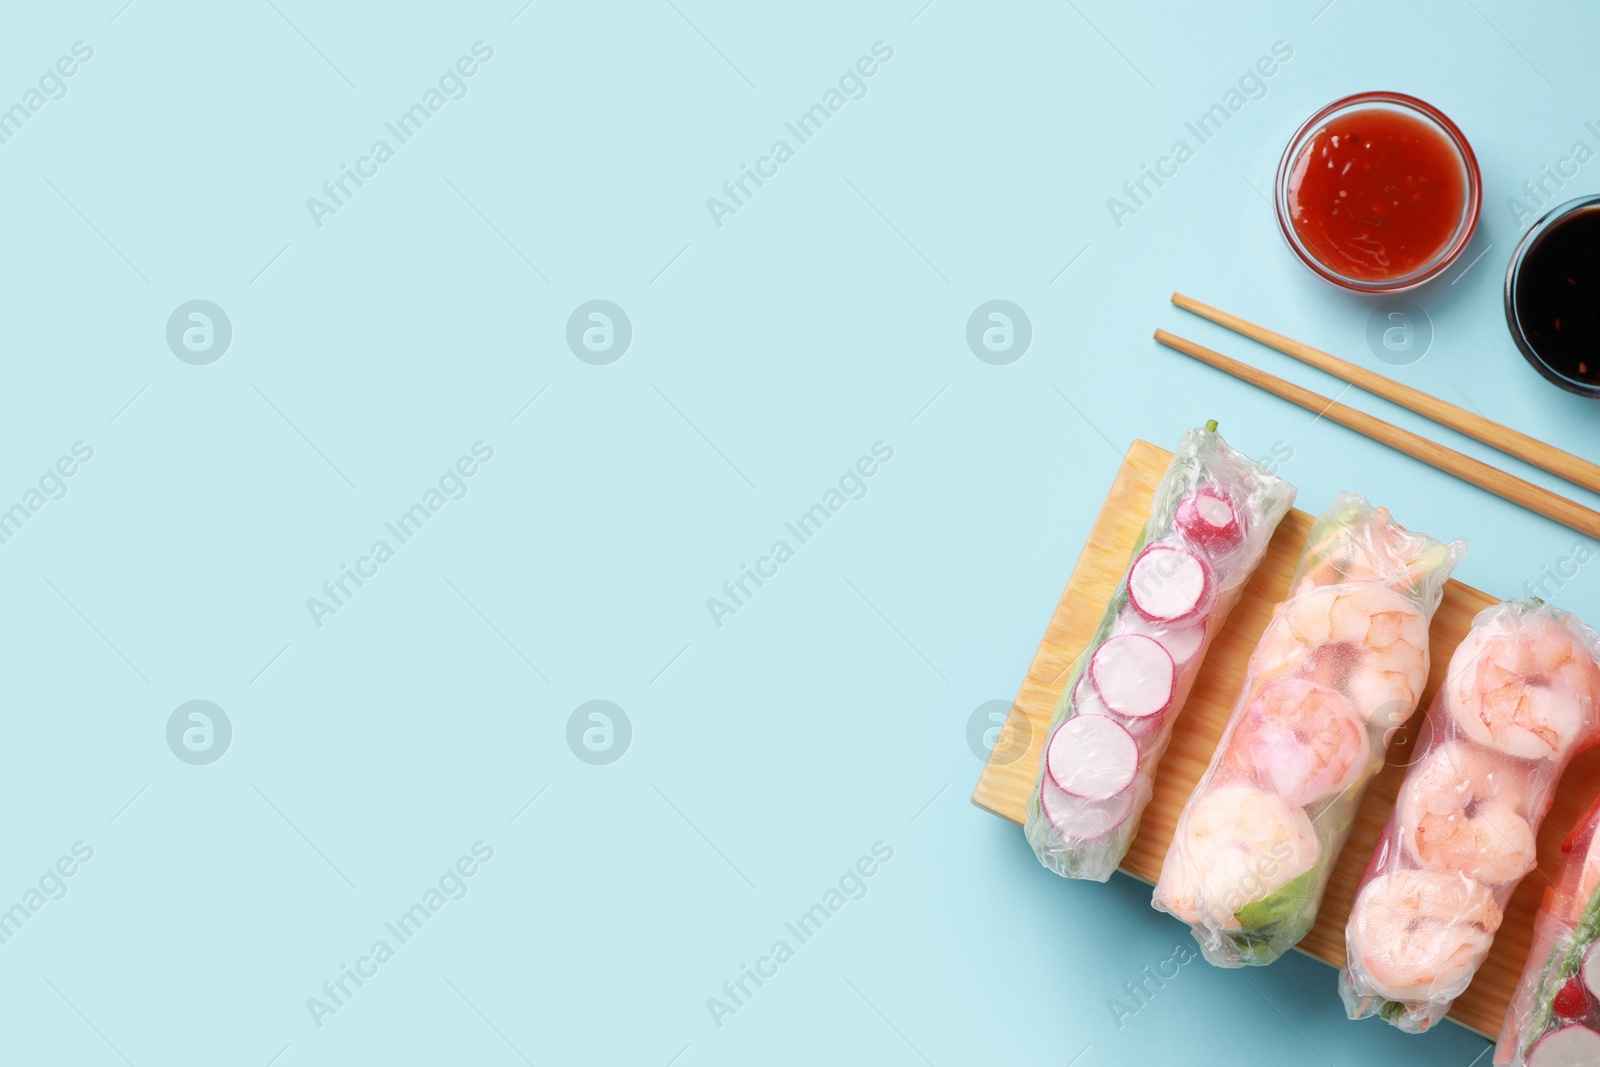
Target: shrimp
[(1365, 640), (1460, 810), (1236, 844), (1530, 691), (1302, 739), (1421, 934)]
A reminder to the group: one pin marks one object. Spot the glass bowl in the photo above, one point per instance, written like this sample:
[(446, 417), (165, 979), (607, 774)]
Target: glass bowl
[(1514, 317), (1414, 108)]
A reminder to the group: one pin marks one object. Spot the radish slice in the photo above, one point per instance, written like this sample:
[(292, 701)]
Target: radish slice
[(1084, 820), (1208, 520), (1091, 758), (1133, 676), (1168, 584), (1591, 970), (1571, 1046), (1088, 702), (1181, 642)]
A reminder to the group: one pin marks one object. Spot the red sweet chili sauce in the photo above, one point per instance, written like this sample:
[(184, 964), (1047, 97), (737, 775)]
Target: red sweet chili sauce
[(1377, 194)]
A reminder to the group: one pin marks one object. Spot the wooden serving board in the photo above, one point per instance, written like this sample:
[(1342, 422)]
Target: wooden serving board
[(1006, 780)]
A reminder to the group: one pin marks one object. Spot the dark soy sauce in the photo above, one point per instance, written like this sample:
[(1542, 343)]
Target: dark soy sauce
[(1557, 297)]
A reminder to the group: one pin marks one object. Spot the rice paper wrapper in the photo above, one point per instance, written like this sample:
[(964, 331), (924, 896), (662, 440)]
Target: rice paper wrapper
[(1211, 518), (1340, 666), (1555, 1006), (1520, 698)]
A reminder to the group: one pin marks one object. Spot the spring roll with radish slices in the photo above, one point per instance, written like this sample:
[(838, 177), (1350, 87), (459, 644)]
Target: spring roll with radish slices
[(1520, 698), (1340, 665), (1213, 514), (1554, 1018)]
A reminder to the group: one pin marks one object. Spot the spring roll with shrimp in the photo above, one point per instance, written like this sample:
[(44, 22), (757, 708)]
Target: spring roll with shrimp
[(1340, 665), (1213, 514), (1554, 1018), (1520, 698)]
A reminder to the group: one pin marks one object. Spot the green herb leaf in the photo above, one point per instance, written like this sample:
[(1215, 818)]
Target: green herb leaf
[(1286, 902), (1252, 949)]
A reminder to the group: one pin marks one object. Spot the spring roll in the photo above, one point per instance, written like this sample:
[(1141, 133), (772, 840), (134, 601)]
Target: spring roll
[(1521, 697), (1213, 514), (1341, 664)]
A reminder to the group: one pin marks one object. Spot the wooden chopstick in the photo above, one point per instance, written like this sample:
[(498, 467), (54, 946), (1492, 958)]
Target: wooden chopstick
[(1476, 472), (1529, 449)]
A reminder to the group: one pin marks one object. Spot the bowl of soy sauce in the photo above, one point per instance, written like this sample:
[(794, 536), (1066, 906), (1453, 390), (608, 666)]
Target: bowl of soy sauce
[(1553, 296)]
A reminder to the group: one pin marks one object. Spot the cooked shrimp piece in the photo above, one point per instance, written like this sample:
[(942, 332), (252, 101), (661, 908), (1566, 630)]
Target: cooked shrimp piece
[(1302, 739), (1421, 934), (1239, 844), (1366, 641), (1529, 690), (1461, 810)]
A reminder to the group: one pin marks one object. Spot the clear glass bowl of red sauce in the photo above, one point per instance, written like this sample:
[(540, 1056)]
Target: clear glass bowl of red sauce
[(1378, 192)]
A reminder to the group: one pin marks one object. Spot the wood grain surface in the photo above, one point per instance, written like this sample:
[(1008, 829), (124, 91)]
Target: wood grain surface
[(1007, 778)]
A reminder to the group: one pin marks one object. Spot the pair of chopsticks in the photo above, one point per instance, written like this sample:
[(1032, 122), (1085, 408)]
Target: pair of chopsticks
[(1507, 486)]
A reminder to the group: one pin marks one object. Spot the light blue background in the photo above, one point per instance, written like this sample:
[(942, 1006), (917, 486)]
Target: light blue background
[(831, 712)]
